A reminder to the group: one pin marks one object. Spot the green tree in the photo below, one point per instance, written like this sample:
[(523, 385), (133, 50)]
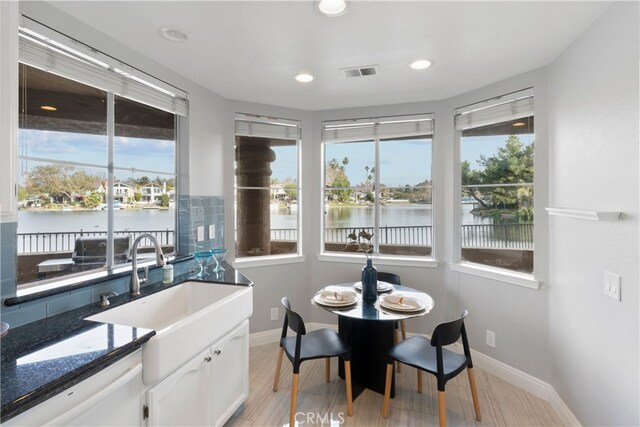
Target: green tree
[(144, 180), (137, 196), (164, 200), (93, 200), (342, 184), (291, 190), (60, 180), (512, 164)]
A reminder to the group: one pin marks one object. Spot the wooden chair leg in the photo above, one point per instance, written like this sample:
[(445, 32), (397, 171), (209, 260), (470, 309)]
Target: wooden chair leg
[(419, 380), (442, 409), (404, 331), (395, 341), (294, 399), (278, 366), (347, 379), (474, 393), (327, 369), (387, 391)]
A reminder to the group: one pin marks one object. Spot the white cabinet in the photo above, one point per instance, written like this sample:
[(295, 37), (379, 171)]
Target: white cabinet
[(110, 397), (208, 389)]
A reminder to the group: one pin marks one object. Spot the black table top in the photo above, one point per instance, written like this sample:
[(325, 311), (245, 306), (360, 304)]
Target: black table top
[(367, 311)]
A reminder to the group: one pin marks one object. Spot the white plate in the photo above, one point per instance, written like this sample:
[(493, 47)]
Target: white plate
[(408, 304), (382, 286), (322, 301)]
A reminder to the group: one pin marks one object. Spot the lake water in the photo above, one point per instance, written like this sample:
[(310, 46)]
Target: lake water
[(281, 217)]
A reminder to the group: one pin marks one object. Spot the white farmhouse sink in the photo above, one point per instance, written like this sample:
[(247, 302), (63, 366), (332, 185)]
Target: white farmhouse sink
[(187, 319)]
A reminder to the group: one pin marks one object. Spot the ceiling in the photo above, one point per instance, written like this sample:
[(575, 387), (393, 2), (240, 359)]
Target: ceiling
[(251, 51)]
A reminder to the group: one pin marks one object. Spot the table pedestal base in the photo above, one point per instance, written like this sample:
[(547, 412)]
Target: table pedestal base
[(369, 341)]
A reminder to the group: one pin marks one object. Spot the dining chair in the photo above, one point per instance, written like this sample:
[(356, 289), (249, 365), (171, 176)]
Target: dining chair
[(394, 279), (321, 344), (429, 355)]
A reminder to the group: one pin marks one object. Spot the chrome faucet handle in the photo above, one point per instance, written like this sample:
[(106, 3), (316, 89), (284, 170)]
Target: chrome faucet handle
[(104, 298), (146, 274)]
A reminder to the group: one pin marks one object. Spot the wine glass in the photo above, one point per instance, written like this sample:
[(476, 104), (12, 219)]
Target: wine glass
[(203, 258), (218, 256)]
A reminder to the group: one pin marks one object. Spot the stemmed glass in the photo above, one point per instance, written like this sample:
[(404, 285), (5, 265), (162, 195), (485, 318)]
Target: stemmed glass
[(218, 256), (203, 258)]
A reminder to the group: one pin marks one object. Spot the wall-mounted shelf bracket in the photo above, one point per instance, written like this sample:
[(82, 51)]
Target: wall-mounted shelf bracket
[(588, 215)]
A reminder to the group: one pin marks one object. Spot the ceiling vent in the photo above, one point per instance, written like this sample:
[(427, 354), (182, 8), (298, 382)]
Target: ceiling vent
[(369, 70)]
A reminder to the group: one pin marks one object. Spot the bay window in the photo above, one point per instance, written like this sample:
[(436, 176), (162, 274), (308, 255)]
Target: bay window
[(496, 193), (378, 178)]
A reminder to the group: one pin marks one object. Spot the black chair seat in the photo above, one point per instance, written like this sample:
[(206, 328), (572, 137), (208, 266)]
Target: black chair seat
[(418, 352), (316, 345)]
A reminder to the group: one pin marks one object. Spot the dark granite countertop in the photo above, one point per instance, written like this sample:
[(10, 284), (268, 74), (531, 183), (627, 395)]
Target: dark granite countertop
[(45, 357)]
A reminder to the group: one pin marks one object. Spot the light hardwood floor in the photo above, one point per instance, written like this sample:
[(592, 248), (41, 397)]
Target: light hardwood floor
[(502, 404)]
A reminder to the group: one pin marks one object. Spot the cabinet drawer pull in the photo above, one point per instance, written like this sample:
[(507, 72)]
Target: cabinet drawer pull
[(207, 359), (217, 352)]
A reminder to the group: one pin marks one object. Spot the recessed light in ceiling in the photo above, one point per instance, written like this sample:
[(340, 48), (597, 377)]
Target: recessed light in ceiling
[(332, 7), (48, 108), (172, 35), (519, 124), (304, 78), (420, 64)]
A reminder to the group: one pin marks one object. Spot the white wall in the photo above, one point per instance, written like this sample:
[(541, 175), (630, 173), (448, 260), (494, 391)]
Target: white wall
[(593, 116)]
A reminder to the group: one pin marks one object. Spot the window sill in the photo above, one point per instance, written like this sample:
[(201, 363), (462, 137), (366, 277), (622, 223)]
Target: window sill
[(511, 277), (380, 260), (265, 261)]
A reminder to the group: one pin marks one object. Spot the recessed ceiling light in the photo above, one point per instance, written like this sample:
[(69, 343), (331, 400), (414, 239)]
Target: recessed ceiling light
[(48, 108), (332, 7), (173, 35), (420, 64), (519, 124), (304, 78)]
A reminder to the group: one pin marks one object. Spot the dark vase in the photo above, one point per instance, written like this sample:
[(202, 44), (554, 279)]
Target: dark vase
[(369, 282)]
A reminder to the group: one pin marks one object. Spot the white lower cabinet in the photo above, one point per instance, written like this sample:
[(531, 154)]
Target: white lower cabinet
[(112, 397), (208, 389)]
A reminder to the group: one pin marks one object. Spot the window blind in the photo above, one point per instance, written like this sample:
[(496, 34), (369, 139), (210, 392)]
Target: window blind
[(501, 109), (267, 127), (53, 52), (379, 127)]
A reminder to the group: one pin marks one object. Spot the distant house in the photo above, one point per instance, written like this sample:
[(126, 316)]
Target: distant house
[(123, 192), (151, 193)]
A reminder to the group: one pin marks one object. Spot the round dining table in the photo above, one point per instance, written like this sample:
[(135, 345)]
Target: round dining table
[(369, 329)]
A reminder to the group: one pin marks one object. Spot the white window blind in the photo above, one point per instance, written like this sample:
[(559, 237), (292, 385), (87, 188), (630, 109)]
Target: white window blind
[(267, 127), (501, 109), (378, 127), (53, 52)]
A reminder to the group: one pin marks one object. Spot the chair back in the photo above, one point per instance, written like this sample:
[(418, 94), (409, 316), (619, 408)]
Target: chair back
[(292, 320), (394, 279), (449, 332)]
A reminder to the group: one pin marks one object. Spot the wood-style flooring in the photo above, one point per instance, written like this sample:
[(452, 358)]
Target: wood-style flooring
[(321, 403)]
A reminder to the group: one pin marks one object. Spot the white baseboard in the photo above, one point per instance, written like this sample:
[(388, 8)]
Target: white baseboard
[(508, 373)]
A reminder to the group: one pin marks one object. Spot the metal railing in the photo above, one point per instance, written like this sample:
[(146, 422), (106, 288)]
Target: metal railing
[(505, 236), (64, 241)]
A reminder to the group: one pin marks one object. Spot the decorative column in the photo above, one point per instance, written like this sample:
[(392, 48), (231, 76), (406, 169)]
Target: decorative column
[(253, 169)]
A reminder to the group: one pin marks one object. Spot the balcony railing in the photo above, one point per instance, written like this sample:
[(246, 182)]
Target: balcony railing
[(496, 236), (64, 241)]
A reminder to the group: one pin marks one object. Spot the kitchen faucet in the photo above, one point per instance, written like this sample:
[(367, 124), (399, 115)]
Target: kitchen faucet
[(135, 280)]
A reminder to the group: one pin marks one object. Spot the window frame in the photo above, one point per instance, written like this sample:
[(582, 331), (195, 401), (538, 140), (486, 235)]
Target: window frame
[(267, 260), (527, 280), (35, 39), (380, 259)]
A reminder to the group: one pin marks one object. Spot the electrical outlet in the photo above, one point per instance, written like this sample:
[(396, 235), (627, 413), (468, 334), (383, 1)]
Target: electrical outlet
[(212, 231), (491, 339), (611, 285), (274, 313), (200, 233)]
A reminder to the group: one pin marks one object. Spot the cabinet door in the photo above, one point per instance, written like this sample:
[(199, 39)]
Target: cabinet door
[(229, 374), (180, 399)]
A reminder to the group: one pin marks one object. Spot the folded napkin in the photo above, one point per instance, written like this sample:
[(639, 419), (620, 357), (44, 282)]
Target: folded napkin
[(337, 296), (400, 300)]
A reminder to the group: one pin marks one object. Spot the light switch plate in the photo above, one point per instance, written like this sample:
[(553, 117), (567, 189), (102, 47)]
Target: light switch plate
[(611, 285), (212, 231), (200, 233)]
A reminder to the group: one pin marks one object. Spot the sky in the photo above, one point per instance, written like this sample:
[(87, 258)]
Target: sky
[(403, 162)]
